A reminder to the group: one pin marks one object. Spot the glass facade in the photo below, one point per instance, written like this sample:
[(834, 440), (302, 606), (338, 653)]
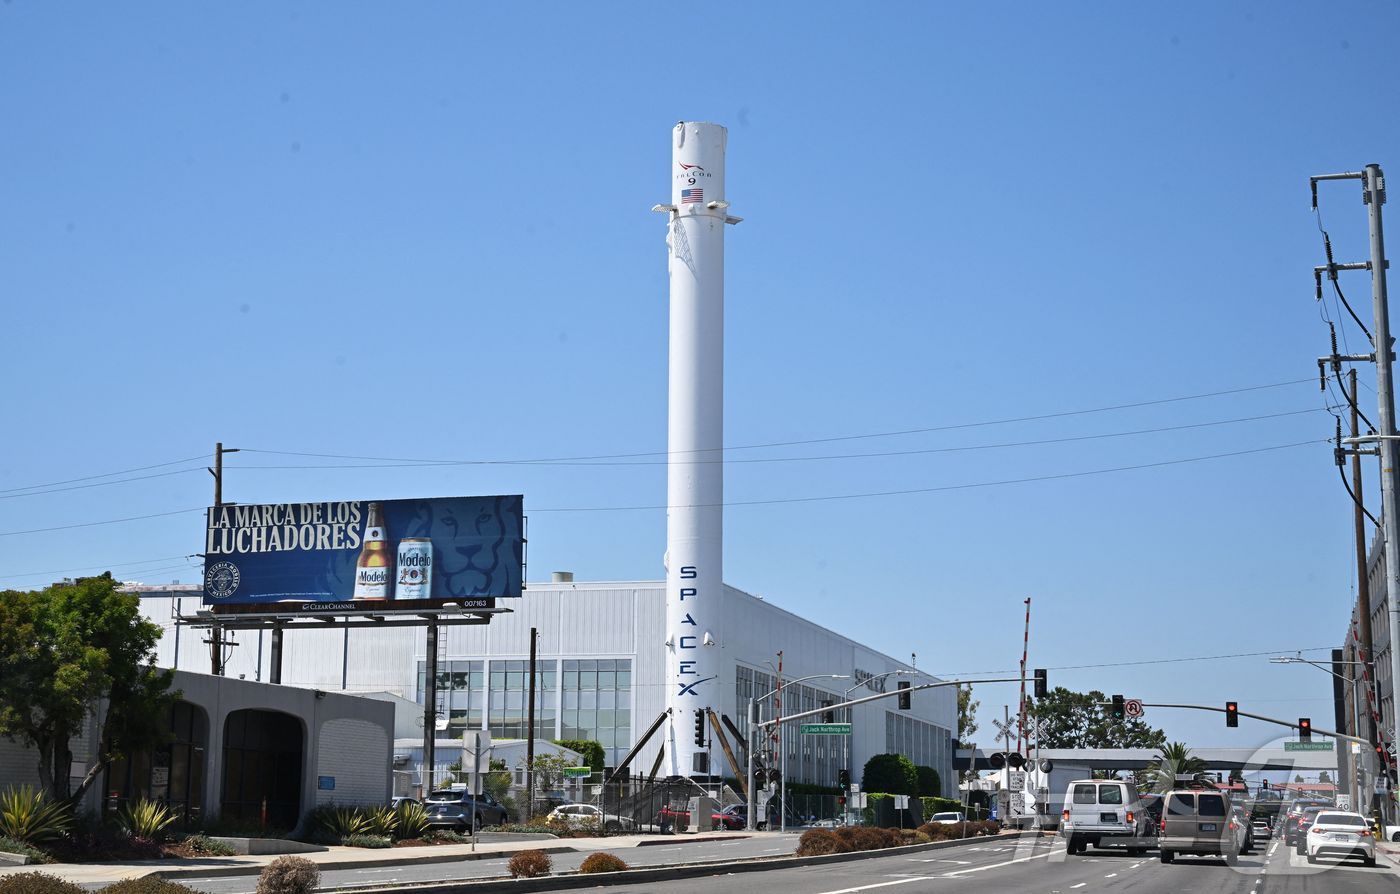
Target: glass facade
[(597, 704), (574, 699), (926, 744), (813, 759)]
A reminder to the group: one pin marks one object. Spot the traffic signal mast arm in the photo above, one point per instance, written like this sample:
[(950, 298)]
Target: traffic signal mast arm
[(879, 695), (1315, 730)]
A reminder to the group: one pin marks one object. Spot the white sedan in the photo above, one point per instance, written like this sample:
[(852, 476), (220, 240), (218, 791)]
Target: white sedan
[(1335, 833), (587, 816)]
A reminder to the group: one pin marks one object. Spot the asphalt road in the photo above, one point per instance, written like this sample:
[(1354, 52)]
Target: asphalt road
[(703, 850), (1042, 867)]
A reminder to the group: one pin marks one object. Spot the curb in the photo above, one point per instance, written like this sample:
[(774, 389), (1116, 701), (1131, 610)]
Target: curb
[(571, 880), (650, 842), (175, 873)]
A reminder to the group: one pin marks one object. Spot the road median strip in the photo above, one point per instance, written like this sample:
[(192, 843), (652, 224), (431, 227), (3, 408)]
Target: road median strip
[(574, 879)]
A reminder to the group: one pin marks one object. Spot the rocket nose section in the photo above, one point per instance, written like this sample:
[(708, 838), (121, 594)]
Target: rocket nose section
[(697, 167)]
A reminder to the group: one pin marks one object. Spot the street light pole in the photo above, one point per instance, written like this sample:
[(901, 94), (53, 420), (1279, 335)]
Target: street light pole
[(750, 823), (849, 747)]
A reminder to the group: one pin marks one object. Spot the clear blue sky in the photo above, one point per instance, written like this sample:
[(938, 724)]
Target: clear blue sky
[(421, 231)]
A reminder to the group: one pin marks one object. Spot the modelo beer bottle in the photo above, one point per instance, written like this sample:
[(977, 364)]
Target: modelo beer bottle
[(372, 568)]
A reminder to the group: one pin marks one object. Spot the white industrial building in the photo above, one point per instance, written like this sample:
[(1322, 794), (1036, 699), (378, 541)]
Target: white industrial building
[(601, 673)]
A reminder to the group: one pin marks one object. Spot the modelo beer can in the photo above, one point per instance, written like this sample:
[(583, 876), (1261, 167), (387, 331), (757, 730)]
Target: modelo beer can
[(415, 569)]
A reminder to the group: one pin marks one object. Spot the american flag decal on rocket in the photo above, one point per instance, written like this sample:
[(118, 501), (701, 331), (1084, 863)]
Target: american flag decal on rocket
[(692, 196)]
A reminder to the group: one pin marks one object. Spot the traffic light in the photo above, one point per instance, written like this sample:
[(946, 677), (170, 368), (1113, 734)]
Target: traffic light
[(1042, 684), (1265, 785), (700, 727), (843, 779), (1304, 729), (1232, 713), (1118, 711), (828, 717), (903, 695)]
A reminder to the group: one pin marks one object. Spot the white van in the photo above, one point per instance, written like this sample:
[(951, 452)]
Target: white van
[(1103, 812)]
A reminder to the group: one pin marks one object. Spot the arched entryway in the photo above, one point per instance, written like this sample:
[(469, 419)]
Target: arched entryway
[(173, 774), (262, 768)]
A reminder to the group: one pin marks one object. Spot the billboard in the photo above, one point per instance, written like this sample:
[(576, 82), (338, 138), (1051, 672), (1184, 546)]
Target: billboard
[(365, 554)]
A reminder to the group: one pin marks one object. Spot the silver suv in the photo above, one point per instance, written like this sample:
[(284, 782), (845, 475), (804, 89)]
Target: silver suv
[(1199, 823)]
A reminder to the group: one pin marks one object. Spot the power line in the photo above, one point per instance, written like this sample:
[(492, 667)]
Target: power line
[(89, 567), (826, 440), (57, 490), (833, 456), (946, 487), (110, 521), (173, 462)]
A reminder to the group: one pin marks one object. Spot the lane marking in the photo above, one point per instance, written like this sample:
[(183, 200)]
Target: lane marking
[(1111, 875), (960, 872), (901, 881), (1080, 885)]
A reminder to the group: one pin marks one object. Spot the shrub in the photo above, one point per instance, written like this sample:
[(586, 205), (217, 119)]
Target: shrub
[(289, 875), (37, 883), (529, 864), (410, 820), (27, 816), (12, 846), (380, 820), (601, 862), (367, 840), (145, 819), (929, 783), (149, 885), (209, 847), (340, 822), (819, 842), (591, 750), (446, 836), (921, 837), (893, 774)]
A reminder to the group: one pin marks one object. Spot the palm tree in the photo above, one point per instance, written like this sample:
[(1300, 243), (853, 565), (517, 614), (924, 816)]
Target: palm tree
[(1173, 760)]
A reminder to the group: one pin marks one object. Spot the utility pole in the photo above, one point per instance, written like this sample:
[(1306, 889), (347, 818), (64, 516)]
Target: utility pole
[(1373, 197), (216, 633), (530, 734), (1363, 584)]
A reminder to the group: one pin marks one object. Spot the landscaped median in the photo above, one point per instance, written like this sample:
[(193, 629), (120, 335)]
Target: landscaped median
[(569, 880)]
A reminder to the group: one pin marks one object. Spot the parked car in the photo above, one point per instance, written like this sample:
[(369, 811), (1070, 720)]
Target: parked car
[(589, 816), (1338, 833), (950, 818), (1198, 823), (402, 799), (456, 808), (734, 817), (1101, 812)]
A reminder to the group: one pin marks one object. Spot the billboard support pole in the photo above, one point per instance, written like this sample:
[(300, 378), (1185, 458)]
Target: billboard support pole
[(274, 656), (530, 737), (430, 707)]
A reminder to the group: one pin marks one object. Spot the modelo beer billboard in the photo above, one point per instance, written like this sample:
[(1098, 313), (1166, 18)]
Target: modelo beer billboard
[(365, 553)]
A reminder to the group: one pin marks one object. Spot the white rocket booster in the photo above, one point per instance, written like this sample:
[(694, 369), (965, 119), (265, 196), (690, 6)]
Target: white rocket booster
[(695, 436)]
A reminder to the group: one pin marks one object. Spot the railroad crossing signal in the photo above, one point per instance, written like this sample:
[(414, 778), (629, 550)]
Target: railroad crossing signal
[(1232, 713)]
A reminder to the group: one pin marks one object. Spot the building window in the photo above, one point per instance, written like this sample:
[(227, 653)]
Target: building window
[(509, 695), (597, 704), (460, 694)]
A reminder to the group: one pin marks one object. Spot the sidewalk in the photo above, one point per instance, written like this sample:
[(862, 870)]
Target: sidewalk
[(352, 857)]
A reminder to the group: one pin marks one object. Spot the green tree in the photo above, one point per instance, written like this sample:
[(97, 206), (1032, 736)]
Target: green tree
[(64, 648), (1082, 720), (1324, 777), (496, 781), (1173, 759), (549, 772), (592, 751), (929, 783), (967, 714), (890, 774)]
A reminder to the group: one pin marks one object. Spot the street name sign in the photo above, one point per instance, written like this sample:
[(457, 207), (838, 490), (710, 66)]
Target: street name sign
[(826, 729), (577, 772), (1308, 746)]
